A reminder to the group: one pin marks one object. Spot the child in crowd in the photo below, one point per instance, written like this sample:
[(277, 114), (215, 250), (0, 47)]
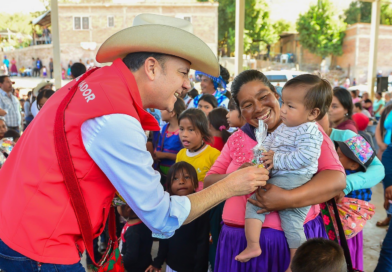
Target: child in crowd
[(194, 135), (187, 250), (319, 255), (292, 156), (169, 143), (3, 128), (234, 118), (43, 96), (207, 103), (218, 127), (136, 241), (44, 72), (12, 134)]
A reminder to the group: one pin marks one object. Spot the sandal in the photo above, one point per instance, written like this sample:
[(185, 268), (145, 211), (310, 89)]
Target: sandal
[(384, 222)]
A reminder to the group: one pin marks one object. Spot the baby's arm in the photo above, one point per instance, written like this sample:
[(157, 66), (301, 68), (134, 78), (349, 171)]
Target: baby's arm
[(268, 142), (307, 152)]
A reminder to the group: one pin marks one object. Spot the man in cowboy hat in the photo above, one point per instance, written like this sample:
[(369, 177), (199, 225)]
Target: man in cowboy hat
[(91, 133)]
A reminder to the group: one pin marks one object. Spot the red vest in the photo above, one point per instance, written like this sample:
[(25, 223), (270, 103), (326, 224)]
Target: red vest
[(36, 215)]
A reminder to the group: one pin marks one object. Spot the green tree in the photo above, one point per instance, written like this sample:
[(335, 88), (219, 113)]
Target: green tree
[(258, 28), (319, 31), (282, 25), (361, 12)]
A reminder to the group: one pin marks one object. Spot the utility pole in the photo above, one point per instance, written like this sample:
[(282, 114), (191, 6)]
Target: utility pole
[(239, 35), (54, 15), (372, 65)]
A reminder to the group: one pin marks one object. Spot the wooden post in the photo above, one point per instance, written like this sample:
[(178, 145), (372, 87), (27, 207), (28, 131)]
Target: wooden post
[(239, 35), (54, 14), (372, 65)]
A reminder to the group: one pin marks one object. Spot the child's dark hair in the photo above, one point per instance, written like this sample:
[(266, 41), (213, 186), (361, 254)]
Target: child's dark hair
[(184, 167), (199, 121), (209, 98), (193, 93), (319, 255), (354, 92), (233, 106), (358, 105), (179, 106), (218, 120), (10, 133), (319, 93), (228, 94), (345, 99)]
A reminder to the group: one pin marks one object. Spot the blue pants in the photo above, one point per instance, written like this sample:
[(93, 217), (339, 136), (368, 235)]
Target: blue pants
[(12, 261), (385, 260)]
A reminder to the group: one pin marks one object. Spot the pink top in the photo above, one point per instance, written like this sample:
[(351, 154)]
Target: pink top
[(237, 151)]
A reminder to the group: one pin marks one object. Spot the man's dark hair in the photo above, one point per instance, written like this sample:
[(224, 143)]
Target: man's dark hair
[(135, 60), (184, 167), (358, 105), (345, 99), (319, 92), (209, 98), (193, 93), (77, 69), (319, 255), (2, 78), (10, 133)]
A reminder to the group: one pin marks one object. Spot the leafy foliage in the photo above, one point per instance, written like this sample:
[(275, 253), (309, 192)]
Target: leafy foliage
[(258, 29), (361, 12), (282, 25), (320, 31)]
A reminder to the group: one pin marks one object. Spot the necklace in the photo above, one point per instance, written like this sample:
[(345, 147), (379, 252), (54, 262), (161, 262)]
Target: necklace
[(202, 144)]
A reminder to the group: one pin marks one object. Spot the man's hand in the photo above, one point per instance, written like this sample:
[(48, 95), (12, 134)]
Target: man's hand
[(271, 198), (340, 197), (247, 164), (268, 159), (152, 269), (247, 180)]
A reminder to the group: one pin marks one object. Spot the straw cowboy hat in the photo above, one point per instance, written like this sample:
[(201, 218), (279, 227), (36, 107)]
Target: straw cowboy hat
[(40, 86), (160, 34)]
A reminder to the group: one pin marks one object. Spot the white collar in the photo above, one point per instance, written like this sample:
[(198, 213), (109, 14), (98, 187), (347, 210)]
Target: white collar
[(194, 154)]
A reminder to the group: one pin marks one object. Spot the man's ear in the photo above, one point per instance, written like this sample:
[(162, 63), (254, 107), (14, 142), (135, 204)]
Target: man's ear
[(313, 114), (150, 67)]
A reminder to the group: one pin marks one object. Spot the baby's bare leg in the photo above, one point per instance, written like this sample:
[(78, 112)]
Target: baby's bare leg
[(252, 233)]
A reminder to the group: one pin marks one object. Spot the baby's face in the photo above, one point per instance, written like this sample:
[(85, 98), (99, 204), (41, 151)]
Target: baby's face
[(347, 163), (293, 111)]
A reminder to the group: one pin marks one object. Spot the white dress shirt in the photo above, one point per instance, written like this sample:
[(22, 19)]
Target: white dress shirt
[(117, 144)]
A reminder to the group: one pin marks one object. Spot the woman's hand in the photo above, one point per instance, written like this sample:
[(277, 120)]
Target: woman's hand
[(271, 198), (152, 269), (246, 180)]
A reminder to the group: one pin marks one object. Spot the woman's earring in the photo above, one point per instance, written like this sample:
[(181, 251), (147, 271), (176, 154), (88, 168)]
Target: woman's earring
[(346, 114)]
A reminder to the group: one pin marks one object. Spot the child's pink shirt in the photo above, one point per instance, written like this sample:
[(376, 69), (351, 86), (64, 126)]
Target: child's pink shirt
[(237, 151)]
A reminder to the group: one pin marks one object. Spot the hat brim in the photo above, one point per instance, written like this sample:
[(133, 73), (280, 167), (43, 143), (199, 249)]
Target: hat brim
[(349, 154), (40, 86), (160, 39)]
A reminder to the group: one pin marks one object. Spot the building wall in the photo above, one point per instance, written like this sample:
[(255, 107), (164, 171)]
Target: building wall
[(356, 45)]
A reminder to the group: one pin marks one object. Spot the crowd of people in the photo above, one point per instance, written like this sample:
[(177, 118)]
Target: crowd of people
[(321, 148)]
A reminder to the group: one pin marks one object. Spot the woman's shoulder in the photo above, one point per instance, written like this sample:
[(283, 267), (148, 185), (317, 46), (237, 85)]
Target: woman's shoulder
[(341, 135)]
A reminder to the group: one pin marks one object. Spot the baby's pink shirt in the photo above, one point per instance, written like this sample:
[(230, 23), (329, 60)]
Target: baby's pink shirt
[(237, 151)]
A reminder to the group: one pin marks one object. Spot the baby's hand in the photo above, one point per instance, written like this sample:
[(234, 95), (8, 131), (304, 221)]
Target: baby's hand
[(268, 159)]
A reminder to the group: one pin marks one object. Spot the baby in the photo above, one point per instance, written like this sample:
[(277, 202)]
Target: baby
[(292, 156)]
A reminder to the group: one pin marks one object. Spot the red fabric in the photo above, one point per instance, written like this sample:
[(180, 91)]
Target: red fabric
[(361, 120), (37, 217), (218, 143), (348, 124)]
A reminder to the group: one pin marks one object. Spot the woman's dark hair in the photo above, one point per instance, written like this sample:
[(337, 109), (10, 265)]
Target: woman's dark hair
[(385, 112), (358, 105), (354, 92), (179, 106), (185, 168), (46, 93), (209, 98), (228, 94), (345, 99), (319, 255), (29, 93), (218, 120), (248, 76), (368, 101), (319, 92), (198, 120), (224, 73), (193, 93), (10, 133), (379, 93)]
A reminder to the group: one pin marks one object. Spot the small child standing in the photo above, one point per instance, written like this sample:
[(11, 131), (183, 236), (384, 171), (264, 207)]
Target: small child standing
[(136, 241), (194, 135), (187, 250), (292, 156), (234, 118), (218, 127), (169, 143)]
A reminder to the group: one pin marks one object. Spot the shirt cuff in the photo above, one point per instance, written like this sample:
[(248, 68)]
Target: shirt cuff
[(180, 207)]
